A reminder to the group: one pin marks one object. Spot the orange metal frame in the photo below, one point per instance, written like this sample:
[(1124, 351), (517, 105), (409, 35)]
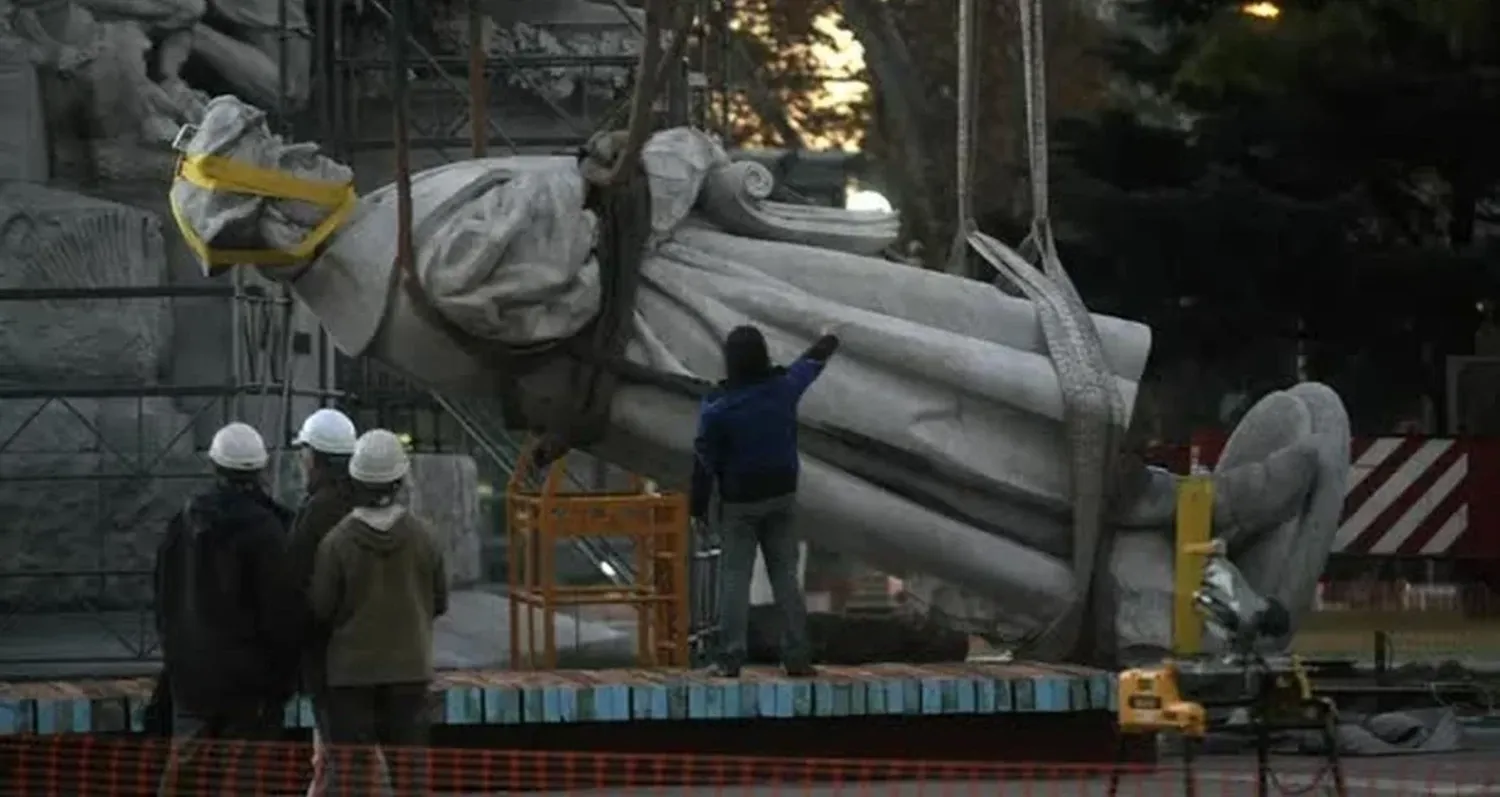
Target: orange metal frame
[(538, 520)]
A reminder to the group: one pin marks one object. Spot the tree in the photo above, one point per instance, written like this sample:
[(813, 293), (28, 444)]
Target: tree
[(1296, 150), (907, 122)]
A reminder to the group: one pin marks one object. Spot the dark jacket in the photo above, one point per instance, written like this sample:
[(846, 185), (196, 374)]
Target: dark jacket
[(221, 600), (378, 585), (328, 500), (747, 433)]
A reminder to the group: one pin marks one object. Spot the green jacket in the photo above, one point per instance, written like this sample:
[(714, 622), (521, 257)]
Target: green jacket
[(327, 502), (378, 585)]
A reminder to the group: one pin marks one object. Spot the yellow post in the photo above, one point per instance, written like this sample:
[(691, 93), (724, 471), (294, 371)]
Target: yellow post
[(1195, 517)]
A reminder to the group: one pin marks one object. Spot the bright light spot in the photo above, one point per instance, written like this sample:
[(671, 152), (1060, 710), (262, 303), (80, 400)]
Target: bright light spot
[(405, 440), (608, 570), (1263, 10), (867, 200)]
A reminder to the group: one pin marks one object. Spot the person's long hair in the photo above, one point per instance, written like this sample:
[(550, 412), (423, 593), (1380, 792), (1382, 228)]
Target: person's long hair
[(746, 360)]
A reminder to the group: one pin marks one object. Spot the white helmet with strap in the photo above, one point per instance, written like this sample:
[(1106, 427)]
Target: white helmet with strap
[(327, 431), (379, 458), (238, 446)]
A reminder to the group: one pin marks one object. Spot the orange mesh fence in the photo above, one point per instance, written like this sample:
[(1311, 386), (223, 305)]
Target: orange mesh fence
[(81, 766)]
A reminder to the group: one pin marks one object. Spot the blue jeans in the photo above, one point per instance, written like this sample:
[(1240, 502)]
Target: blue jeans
[(766, 525)]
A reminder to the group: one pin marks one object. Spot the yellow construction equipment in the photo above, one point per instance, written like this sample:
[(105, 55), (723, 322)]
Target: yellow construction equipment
[(539, 520), (1195, 692)]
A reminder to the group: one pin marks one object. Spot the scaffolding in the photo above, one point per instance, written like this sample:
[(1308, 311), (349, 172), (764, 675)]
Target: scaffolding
[(658, 596), (89, 616)]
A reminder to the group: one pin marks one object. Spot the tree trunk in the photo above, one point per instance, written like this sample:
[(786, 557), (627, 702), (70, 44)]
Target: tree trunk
[(903, 109)]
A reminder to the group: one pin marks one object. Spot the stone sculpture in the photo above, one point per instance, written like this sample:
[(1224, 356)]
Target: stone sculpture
[(935, 445)]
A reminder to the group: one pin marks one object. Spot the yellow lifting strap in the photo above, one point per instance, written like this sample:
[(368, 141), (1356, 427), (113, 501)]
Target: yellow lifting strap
[(216, 173)]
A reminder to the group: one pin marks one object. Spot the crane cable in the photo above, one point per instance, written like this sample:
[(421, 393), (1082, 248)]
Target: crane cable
[(1094, 410)]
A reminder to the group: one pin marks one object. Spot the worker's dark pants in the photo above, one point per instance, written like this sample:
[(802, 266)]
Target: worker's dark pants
[(209, 754), (376, 740), (766, 525)]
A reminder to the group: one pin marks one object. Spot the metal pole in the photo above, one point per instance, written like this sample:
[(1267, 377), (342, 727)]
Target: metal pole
[(400, 30), (479, 103)]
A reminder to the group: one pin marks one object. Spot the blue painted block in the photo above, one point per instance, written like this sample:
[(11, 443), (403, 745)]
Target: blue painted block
[(823, 699), (895, 697), (911, 695), (765, 700), (493, 698), (786, 701), (82, 715), (963, 695), (567, 704), (551, 704), (1099, 688), (46, 717), (718, 697), (737, 701), (859, 700), (1023, 693), (138, 714), (1005, 695), (660, 705), (1078, 694), (677, 699), (10, 718), (623, 698), (585, 701), (510, 706), (463, 705), (640, 702), (932, 695), (842, 692), (1051, 694), (985, 696), (875, 698), (532, 710), (802, 699), (697, 701), (306, 718)]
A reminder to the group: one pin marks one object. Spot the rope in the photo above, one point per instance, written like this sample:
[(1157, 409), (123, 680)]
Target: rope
[(1094, 409), (968, 89)]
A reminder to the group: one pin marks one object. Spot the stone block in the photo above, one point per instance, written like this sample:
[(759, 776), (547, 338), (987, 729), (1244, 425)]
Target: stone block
[(58, 239), (444, 489)]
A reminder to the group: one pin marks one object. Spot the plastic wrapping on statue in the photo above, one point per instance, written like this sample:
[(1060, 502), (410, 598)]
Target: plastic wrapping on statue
[(242, 195)]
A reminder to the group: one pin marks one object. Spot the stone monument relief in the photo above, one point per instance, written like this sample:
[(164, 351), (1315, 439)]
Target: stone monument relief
[(92, 95)]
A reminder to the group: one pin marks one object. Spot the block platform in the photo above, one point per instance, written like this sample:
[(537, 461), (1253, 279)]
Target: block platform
[(505, 698), (970, 712)]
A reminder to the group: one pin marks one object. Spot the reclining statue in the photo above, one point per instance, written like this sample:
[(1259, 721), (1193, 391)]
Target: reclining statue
[(933, 448)]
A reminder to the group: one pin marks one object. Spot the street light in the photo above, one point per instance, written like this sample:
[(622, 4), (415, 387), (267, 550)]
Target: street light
[(1262, 10)]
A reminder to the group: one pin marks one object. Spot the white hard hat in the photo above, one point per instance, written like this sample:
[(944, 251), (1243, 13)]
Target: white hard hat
[(379, 458), (327, 431), (238, 446)]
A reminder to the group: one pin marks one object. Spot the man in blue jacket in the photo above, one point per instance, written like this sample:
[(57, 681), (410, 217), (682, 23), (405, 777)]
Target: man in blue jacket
[(747, 448)]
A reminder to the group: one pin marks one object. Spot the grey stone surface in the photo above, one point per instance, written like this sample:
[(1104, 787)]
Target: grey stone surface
[(58, 239), (444, 489)]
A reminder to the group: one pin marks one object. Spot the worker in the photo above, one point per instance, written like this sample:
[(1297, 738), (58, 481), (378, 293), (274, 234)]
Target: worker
[(378, 584), (746, 448), (325, 442), (221, 601)]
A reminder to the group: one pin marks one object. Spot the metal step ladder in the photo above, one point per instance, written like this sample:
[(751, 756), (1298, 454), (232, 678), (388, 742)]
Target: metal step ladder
[(486, 427)]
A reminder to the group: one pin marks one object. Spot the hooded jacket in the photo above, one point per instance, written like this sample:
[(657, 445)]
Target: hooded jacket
[(329, 499), (222, 599), (747, 431), (378, 584)]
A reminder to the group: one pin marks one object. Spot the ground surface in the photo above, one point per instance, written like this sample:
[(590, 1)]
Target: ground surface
[(1474, 774)]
